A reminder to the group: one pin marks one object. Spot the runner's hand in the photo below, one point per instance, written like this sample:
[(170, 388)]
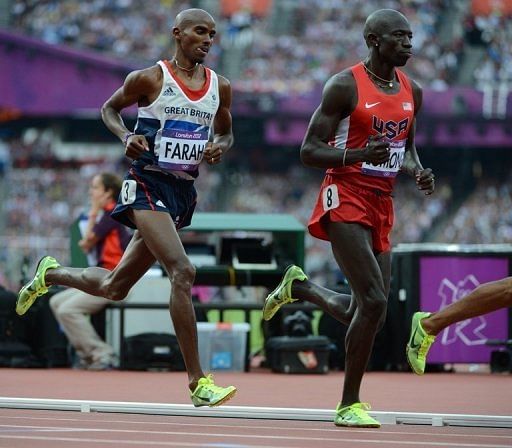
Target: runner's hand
[(425, 180), (136, 145), (213, 153), (377, 150)]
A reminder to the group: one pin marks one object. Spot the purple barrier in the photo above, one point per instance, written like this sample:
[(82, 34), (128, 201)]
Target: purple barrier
[(298, 104), (40, 79), (437, 133), (447, 102), (447, 279), (286, 132), (486, 134)]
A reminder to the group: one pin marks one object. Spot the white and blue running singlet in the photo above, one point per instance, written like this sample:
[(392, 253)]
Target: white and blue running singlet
[(178, 124)]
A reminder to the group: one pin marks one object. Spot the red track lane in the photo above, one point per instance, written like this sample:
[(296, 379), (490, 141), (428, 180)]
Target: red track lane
[(437, 393), (45, 429), (459, 393)]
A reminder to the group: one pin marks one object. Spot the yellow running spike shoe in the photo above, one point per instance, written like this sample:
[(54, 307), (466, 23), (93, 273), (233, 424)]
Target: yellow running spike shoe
[(35, 287), (283, 293), (355, 415), (419, 344), (208, 394)]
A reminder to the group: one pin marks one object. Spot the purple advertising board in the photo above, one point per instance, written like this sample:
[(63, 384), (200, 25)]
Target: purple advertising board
[(447, 279)]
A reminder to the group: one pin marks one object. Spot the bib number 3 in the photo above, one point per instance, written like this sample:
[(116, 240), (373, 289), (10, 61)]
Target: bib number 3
[(128, 192), (330, 198)]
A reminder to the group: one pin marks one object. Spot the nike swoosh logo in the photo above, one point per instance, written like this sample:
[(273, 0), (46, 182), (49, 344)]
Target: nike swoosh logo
[(368, 106), (414, 345)]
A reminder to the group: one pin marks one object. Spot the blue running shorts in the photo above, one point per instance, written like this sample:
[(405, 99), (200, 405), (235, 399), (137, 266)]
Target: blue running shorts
[(157, 191)]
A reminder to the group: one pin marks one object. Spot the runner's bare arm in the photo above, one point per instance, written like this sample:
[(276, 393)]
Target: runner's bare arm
[(412, 164), (339, 100), (140, 87), (223, 138)]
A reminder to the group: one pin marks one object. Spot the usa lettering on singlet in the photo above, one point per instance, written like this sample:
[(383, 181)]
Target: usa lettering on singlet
[(178, 124)]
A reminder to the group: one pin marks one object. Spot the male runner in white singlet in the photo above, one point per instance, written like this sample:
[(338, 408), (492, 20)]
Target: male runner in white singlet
[(180, 102)]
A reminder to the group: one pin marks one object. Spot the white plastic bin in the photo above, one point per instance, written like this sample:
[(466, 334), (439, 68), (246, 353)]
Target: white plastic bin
[(222, 346)]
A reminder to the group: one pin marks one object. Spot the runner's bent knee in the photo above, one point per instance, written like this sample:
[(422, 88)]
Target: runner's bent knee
[(373, 303), (182, 273)]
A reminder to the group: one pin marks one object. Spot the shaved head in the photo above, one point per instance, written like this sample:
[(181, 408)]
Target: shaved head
[(383, 20), (192, 16)]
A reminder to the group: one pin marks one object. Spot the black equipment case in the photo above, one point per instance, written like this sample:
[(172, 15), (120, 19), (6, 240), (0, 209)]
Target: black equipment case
[(288, 354), (151, 351)]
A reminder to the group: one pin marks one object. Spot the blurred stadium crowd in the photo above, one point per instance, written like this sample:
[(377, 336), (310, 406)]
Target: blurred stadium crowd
[(291, 32), (274, 51)]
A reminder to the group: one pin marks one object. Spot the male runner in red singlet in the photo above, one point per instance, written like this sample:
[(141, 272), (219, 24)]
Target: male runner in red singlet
[(183, 117), (363, 134)]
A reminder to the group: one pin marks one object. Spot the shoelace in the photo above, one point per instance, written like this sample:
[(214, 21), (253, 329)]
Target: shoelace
[(364, 407), (361, 407), (38, 286), (208, 383), (425, 345), (287, 292), (41, 292)]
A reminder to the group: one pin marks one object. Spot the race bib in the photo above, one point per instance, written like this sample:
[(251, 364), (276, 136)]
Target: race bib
[(128, 192), (392, 166), (330, 198), (182, 150)]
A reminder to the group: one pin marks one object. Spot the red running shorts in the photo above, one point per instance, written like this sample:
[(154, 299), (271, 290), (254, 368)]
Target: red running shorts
[(340, 201)]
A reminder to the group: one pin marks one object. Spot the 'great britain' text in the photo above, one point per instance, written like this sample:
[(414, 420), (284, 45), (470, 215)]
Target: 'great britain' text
[(189, 111)]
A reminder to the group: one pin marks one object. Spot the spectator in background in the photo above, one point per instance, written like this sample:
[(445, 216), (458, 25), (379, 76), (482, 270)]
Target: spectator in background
[(104, 239)]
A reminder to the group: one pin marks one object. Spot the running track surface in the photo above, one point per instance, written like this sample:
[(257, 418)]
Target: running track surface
[(437, 393)]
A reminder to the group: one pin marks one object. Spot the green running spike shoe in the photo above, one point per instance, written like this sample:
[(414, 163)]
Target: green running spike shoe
[(419, 344), (35, 287), (283, 293), (355, 415), (208, 394)]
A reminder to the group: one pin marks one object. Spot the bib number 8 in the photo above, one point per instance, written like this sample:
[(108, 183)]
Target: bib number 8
[(330, 198)]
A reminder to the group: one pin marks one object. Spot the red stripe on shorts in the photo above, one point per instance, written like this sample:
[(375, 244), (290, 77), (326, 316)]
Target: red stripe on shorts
[(146, 192)]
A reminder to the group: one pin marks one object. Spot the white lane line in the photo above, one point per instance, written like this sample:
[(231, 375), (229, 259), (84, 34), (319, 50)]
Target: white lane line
[(253, 412), (287, 437), (30, 429), (9, 428), (261, 427), (131, 442), (202, 444)]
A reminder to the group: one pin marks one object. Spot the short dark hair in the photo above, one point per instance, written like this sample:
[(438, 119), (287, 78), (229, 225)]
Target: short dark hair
[(111, 182)]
